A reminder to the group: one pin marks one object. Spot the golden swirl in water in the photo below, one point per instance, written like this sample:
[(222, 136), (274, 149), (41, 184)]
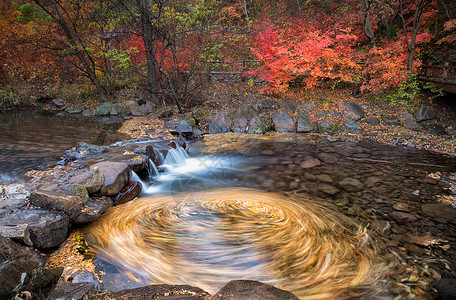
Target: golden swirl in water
[(209, 238)]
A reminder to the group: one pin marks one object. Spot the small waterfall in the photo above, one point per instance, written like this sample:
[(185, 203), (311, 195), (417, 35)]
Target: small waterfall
[(176, 156), (135, 176), (151, 167)]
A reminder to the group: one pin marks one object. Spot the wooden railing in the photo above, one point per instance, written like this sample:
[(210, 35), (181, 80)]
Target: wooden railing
[(444, 73)]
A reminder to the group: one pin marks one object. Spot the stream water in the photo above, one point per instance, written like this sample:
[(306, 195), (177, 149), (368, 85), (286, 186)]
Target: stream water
[(325, 218), (32, 138)]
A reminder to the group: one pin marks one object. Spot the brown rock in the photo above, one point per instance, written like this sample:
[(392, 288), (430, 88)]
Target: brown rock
[(116, 175), (310, 163), (92, 181), (161, 291), (252, 290), (440, 213), (128, 193), (70, 205), (402, 217), (93, 209)]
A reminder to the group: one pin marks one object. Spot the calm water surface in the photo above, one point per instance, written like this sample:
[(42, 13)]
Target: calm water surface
[(31, 139)]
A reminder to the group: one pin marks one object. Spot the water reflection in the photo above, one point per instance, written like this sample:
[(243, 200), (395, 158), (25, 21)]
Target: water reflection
[(31, 138)]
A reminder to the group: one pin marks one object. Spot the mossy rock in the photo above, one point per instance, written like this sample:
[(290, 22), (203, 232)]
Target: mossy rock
[(81, 191), (191, 122)]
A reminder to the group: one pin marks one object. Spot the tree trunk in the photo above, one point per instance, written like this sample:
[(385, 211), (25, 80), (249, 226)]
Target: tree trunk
[(367, 24)]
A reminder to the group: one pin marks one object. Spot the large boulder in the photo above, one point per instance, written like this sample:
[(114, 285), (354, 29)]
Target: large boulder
[(221, 123), (433, 128), (242, 117), (76, 110), (72, 291), (164, 112), (252, 290), (21, 269), (47, 229), (108, 109), (128, 193), (289, 106), (352, 127), (116, 174), (70, 205), (259, 125), (283, 122), (305, 123), (408, 121), (351, 110), (92, 181), (267, 105), (390, 120), (425, 113), (142, 110)]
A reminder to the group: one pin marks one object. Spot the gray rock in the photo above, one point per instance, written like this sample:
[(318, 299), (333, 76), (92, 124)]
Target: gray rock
[(86, 277), (283, 122), (181, 126), (390, 120), (59, 103), (289, 106), (408, 121), (91, 149), (372, 121), (433, 128), (91, 181), (70, 205), (308, 105), (328, 126), (76, 110), (17, 232), (221, 123), (164, 112), (352, 127), (107, 109), (116, 174), (351, 184), (130, 103), (425, 113), (252, 290), (440, 213), (47, 229), (72, 155), (142, 110), (267, 104), (304, 121), (259, 125), (240, 125), (351, 110), (87, 113), (93, 209), (72, 291)]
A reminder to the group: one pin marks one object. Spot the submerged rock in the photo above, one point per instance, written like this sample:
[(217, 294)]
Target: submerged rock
[(116, 174), (351, 184), (91, 149), (252, 290)]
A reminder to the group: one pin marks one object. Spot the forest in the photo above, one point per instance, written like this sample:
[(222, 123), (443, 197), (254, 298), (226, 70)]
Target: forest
[(89, 49)]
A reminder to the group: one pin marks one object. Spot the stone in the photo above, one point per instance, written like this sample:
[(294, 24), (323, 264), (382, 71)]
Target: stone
[(240, 125), (59, 103), (440, 213), (198, 114), (142, 109), (308, 105), (324, 178), (87, 113), (352, 127), (310, 163), (390, 120), (161, 291), (400, 206), (351, 110), (372, 121), (351, 184), (116, 174), (180, 126), (304, 121), (328, 126), (446, 288), (328, 189), (19, 232), (107, 109), (90, 148), (72, 291), (259, 125), (408, 121), (39, 282), (72, 155), (131, 103), (47, 229), (433, 128), (91, 181), (128, 193), (164, 112), (283, 122), (70, 205), (76, 110), (88, 277), (289, 106), (252, 290), (402, 217), (93, 209), (328, 158), (425, 113), (221, 123), (267, 104)]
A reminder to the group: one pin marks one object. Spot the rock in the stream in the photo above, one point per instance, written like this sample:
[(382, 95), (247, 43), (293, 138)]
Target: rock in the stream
[(221, 123), (390, 120), (142, 110), (283, 122), (164, 112), (72, 291), (39, 283), (240, 125), (328, 189), (47, 229), (91, 149), (252, 290), (351, 110), (76, 110), (128, 192), (70, 205), (93, 209), (310, 163), (351, 184), (440, 213), (116, 174), (304, 121), (108, 109), (402, 217), (92, 181), (59, 103), (160, 291), (328, 126), (352, 127), (408, 121), (425, 113)]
